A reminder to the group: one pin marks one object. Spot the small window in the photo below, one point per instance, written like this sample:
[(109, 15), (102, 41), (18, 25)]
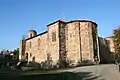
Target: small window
[(22, 54), (70, 35), (30, 54), (27, 56), (38, 42), (33, 59), (30, 34), (48, 57), (30, 44), (53, 36)]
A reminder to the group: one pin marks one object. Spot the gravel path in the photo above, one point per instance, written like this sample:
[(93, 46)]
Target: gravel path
[(98, 72)]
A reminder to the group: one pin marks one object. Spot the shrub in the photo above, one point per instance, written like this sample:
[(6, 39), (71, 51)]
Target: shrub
[(46, 64), (86, 62), (34, 65)]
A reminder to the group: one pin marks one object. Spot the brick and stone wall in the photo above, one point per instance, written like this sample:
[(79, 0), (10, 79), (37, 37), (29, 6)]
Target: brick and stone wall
[(87, 40), (79, 41), (104, 50), (22, 46), (53, 46), (63, 40), (20, 50), (111, 43), (35, 51), (73, 41)]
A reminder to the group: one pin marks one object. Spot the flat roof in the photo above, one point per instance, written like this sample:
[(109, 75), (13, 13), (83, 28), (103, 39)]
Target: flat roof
[(56, 22), (82, 20)]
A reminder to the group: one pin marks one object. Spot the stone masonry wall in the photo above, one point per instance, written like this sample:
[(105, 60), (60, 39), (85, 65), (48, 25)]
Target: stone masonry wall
[(111, 44), (53, 46), (95, 41), (22, 55), (104, 51), (79, 41), (73, 41), (39, 52), (86, 40), (62, 41), (20, 50)]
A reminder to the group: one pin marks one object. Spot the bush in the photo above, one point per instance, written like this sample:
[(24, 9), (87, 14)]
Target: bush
[(46, 64), (63, 64), (34, 65), (86, 62)]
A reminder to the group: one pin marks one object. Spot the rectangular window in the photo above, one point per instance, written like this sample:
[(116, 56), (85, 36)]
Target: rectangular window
[(30, 35), (30, 44), (38, 42), (30, 54), (33, 59), (70, 35), (53, 36)]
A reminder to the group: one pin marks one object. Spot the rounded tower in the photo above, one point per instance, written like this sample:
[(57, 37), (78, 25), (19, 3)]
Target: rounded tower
[(31, 33), (81, 39)]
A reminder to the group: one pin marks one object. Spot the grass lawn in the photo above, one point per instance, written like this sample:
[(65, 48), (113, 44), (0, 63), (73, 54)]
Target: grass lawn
[(38, 75)]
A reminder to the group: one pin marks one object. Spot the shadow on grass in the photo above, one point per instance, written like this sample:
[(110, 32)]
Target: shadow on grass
[(48, 76), (89, 76)]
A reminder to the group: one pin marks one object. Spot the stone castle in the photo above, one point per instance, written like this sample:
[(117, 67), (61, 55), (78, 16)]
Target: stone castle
[(74, 40)]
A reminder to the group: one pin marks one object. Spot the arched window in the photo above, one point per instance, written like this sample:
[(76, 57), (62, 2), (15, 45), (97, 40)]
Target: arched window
[(30, 54), (33, 59), (26, 56)]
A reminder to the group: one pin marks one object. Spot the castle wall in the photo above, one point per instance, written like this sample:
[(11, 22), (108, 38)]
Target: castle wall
[(62, 41), (79, 41), (22, 46), (38, 48), (20, 50), (104, 51), (111, 44), (73, 41), (86, 40), (53, 46)]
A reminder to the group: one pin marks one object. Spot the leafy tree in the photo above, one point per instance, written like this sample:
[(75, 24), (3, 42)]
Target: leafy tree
[(116, 33), (10, 57), (15, 56)]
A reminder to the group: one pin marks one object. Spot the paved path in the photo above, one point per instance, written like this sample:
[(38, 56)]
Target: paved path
[(98, 72)]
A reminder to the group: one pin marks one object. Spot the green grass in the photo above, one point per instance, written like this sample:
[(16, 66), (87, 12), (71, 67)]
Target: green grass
[(40, 72), (39, 75), (7, 74)]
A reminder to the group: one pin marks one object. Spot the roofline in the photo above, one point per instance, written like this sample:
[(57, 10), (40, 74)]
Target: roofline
[(73, 21), (36, 35), (62, 22), (83, 21), (56, 22)]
